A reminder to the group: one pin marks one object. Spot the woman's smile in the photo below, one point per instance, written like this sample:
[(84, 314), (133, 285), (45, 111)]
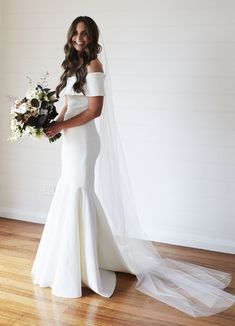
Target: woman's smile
[(80, 39)]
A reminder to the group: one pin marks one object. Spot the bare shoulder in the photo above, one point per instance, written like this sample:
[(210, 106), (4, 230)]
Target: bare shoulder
[(95, 66)]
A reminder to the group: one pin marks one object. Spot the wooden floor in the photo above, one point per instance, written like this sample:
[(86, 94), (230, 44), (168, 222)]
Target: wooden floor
[(24, 303)]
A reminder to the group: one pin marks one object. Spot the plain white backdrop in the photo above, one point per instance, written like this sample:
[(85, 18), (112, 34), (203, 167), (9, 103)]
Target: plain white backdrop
[(173, 77)]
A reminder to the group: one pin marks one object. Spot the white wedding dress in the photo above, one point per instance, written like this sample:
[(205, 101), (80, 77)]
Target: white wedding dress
[(78, 246)]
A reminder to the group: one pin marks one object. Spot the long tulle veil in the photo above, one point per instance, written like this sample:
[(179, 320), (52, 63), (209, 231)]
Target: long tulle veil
[(195, 290)]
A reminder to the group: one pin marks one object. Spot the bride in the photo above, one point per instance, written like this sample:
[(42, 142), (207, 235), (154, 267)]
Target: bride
[(92, 229)]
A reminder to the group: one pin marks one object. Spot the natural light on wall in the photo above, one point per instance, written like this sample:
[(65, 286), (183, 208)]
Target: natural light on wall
[(172, 66)]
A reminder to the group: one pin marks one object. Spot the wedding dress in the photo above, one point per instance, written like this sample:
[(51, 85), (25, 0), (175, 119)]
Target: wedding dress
[(77, 247), (84, 241)]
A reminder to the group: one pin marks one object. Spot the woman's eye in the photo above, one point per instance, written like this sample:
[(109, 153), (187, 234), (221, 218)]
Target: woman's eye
[(82, 33)]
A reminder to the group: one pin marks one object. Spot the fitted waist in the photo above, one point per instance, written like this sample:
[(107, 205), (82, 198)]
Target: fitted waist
[(75, 105), (77, 101)]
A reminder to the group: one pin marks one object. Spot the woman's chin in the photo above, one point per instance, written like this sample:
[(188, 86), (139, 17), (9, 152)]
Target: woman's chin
[(80, 49)]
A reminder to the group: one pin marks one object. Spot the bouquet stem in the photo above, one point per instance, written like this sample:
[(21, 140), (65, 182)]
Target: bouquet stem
[(54, 138)]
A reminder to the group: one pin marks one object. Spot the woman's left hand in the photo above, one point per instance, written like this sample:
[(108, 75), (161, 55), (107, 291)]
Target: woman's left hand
[(54, 129)]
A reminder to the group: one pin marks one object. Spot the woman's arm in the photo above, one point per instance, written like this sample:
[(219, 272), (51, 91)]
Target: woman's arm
[(94, 109)]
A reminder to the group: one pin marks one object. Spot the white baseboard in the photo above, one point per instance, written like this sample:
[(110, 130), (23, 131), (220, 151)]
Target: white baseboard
[(17, 214), (191, 239), (184, 238)]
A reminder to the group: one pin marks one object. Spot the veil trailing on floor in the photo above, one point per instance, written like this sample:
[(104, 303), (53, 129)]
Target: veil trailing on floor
[(195, 290)]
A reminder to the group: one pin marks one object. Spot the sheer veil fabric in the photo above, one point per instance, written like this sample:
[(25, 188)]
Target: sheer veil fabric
[(195, 290)]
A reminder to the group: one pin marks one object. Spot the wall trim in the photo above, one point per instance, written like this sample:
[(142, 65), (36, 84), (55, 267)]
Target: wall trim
[(17, 214), (191, 240)]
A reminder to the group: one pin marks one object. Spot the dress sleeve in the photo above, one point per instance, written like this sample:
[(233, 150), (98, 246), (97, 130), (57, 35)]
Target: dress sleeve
[(95, 84)]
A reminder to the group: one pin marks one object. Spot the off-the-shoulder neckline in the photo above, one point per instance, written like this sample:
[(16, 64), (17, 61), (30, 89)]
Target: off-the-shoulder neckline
[(90, 73), (95, 72)]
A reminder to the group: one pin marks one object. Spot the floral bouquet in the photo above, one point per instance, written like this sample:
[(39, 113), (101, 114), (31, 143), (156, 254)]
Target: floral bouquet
[(34, 113)]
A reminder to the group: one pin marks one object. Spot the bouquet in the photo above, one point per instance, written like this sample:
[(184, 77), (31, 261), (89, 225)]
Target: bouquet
[(35, 112)]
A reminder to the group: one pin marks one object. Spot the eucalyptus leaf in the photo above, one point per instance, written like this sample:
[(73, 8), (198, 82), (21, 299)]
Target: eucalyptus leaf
[(41, 120), (19, 117), (44, 104), (53, 113), (32, 121), (51, 93)]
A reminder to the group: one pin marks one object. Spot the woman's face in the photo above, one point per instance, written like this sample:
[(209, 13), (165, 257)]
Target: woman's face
[(80, 38)]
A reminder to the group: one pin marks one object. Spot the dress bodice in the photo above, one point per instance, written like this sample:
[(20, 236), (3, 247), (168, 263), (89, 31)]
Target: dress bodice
[(94, 85), (77, 102)]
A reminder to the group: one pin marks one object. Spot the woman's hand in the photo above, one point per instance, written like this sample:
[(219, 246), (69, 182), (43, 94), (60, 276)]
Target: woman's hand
[(54, 129)]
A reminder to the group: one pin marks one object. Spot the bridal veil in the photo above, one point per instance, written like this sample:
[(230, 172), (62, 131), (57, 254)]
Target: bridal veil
[(195, 290)]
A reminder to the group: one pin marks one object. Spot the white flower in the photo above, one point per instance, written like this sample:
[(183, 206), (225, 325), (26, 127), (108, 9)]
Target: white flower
[(17, 102), (31, 93), (33, 111), (16, 131), (22, 108), (27, 130), (13, 124), (13, 109)]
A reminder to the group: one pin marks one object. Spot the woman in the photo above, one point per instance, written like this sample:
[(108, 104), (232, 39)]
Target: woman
[(67, 255), (84, 242)]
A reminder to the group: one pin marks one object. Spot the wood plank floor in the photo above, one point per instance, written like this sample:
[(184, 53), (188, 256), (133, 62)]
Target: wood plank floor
[(24, 303)]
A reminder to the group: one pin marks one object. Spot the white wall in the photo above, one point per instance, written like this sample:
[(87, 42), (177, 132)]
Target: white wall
[(173, 76), (2, 167), (1, 47), (1, 33)]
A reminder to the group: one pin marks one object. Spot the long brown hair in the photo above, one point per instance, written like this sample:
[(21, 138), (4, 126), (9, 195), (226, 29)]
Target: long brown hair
[(74, 63)]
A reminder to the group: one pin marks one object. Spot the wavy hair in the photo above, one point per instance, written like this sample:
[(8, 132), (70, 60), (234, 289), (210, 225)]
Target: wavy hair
[(76, 63)]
